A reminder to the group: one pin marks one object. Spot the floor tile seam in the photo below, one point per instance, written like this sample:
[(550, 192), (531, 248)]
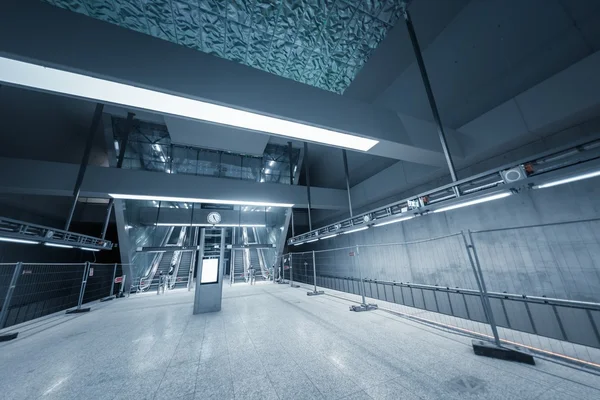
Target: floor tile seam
[(259, 359), (171, 360), (423, 372), (327, 360), (395, 380)]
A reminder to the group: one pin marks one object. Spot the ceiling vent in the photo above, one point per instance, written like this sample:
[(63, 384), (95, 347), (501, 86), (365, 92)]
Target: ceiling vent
[(514, 174)]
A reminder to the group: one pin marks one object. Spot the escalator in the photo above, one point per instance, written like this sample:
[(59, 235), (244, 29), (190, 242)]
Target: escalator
[(163, 260), (238, 266), (183, 269)]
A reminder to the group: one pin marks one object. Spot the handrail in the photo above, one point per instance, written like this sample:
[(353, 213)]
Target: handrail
[(498, 295)]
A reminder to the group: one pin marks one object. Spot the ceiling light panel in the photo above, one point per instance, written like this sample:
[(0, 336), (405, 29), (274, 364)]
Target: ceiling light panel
[(104, 91), (196, 200)]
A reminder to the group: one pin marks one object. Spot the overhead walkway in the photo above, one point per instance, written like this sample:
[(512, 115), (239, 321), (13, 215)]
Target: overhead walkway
[(310, 348)]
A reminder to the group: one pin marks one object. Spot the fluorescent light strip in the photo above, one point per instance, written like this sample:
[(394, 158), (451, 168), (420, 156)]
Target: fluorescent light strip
[(330, 236), (11, 240), (473, 202), (192, 200), (104, 91), (362, 228), (62, 246), (311, 241), (568, 180), (88, 249), (217, 225), (298, 244), (394, 221)]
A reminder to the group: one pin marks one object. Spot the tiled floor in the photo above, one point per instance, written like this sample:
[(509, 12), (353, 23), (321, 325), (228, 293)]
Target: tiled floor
[(268, 342)]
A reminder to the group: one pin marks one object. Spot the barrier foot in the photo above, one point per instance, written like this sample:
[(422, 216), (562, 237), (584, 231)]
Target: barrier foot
[(315, 293), (109, 298), (508, 353), (78, 310), (8, 336), (364, 307)]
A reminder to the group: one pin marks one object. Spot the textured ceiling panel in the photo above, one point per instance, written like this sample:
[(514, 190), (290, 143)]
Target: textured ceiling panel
[(323, 43)]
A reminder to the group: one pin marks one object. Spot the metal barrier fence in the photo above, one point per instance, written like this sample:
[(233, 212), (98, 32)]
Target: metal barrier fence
[(537, 287), (30, 291)]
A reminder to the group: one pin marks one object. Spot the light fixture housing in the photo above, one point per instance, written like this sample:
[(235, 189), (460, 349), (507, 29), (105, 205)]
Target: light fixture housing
[(217, 225), (395, 220), (362, 228), (330, 236), (62, 246), (194, 200), (484, 199), (568, 180), (104, 91), (88, 249), (15, 240)]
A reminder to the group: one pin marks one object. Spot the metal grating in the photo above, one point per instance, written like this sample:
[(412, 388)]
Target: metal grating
[(323, 43)]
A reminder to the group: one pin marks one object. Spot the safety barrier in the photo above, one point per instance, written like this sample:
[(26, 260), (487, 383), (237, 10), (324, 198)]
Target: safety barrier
[(537, 287), (30, 291)]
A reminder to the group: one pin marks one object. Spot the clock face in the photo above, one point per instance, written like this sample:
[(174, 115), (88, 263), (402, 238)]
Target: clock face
[(214, 218)]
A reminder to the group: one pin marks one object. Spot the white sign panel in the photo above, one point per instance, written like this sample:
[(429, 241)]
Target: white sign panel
[(210, 270)]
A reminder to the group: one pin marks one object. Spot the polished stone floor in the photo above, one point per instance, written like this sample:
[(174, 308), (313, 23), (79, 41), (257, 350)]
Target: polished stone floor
[(268, 342)]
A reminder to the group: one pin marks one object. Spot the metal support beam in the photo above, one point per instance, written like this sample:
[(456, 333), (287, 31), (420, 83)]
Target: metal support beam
[(84, 161), (347, 182), (427, 84), (122, 147), (307, 175), (291, 156)]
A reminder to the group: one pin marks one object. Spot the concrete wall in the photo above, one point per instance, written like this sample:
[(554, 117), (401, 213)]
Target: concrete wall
[(561, 261)]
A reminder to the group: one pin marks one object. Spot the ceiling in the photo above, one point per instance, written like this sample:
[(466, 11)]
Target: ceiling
[(479, 54), (323, 43)]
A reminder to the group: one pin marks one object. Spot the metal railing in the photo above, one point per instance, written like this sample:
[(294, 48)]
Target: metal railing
[(537, 287), (30, 291)]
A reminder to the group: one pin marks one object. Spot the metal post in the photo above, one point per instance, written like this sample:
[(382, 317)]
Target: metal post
[(9, 294), (364, 301), (307, 175), (347, 182), (122, 147), (86, 271), (112, 284), (123, 287), (291, 272), (315, 292), (84, 161), (292, 222), (200, 257), (429, 91), (194, 259), (474, 261), (364, 306)]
